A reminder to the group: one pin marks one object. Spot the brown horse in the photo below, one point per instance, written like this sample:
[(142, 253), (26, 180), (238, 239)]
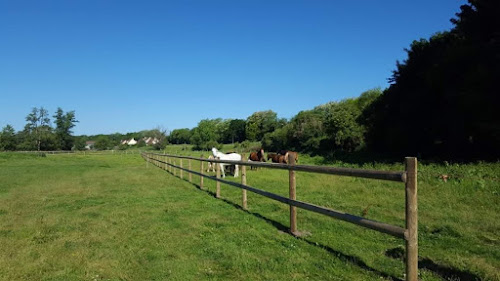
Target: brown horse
[(289, 152), (294, 154), (257, 157), (276, 158)]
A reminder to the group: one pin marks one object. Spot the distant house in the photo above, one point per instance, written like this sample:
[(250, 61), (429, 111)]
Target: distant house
[(132, 141), (150, 140), (89, 145)]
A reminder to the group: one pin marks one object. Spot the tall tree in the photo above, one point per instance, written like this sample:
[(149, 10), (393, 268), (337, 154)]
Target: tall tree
[(64, 124), (443, 98), (38, 125)]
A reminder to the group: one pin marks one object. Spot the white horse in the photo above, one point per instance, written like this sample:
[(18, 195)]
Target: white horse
[(223, 156)]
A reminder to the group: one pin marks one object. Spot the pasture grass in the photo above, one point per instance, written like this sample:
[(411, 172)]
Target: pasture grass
[(114, 217)]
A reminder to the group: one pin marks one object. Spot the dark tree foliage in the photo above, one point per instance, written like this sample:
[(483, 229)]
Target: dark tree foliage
[(8, 138), (306, 131), (443, 99), (235, 131), (180, 136), (103, 142), (64, 124)]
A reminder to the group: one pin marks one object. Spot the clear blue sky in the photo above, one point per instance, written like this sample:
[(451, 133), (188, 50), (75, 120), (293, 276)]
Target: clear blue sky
[(126, 66)]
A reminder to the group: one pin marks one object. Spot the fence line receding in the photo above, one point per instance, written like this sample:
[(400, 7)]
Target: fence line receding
[(409, 233)]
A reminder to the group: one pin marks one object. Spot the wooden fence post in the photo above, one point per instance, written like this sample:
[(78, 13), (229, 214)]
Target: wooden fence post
[(180, 170), (201, 172), (189, 173), (411, 220), (243, 182), (293, 195), (217, 190)]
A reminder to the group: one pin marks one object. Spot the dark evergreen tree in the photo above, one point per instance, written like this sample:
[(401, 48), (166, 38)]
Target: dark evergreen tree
[(443, 98)]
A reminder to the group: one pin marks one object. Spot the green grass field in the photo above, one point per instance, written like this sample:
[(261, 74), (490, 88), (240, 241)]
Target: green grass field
[(112, 217)]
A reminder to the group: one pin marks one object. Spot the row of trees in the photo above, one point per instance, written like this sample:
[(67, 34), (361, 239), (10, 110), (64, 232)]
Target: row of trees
[(442, 103), (328, 127), (38, 133), (211, 132)]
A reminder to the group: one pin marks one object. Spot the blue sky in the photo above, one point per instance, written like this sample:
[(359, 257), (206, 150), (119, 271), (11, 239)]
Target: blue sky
[(126, 66)]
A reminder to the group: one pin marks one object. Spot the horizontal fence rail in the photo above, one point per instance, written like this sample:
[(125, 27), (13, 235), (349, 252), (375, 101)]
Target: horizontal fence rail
[(409, 177), (360, 173)]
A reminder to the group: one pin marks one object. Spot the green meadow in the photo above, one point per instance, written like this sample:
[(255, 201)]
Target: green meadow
[(111, 216)]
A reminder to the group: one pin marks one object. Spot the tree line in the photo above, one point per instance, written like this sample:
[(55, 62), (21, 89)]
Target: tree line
[(335, 126), (39, 134), (442, 103)]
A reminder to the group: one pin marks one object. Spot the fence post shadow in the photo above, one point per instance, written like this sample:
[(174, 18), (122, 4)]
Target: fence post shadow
[(409, 234), (286, 230), (445, 272)]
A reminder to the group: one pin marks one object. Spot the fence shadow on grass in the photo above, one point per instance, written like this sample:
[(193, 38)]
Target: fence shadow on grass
[(445, 272), (285, 229)]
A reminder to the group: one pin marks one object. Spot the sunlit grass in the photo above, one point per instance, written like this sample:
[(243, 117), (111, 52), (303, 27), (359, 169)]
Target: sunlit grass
[(112, 217)]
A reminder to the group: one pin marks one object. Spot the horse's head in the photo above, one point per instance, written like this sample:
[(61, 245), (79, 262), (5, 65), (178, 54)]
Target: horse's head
[(214, 151)]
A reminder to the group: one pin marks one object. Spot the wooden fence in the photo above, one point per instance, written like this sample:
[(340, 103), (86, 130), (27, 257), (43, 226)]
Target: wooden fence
[(409, 177)]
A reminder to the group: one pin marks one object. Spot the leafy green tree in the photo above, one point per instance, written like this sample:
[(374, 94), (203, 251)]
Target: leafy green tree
[(79, 144), (306, 131), (64, 124), (205, 132), (38, 126), (8, 138), (342, 126), (103, 143), (233, 131), (260, 123), (180, 136), (276, 140)]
